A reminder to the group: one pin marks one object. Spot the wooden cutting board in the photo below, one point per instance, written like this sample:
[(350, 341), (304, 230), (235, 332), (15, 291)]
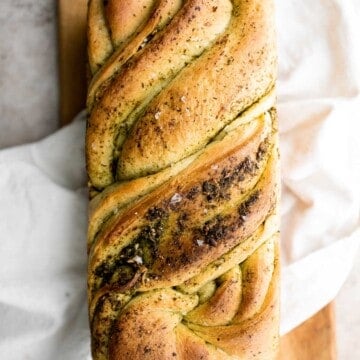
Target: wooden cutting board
[(315, 338)]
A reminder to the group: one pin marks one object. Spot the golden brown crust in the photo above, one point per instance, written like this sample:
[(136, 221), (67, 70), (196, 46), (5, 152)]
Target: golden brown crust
[(158, 19), (185, 38), (99, 42), (217, 89), (182, 155), (126, 16)]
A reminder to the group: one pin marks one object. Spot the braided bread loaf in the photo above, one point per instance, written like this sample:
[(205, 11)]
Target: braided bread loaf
[(182, 159)]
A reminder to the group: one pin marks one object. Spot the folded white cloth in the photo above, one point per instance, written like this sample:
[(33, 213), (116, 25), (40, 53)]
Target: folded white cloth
[(319, 103), (43, 200), (43, 207)]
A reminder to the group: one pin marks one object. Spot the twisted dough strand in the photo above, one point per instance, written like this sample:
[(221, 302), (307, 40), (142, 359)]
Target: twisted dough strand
[(182, 158)]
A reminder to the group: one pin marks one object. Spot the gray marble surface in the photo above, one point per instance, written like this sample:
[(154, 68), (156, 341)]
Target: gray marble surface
[(29, 111), (28, 70)]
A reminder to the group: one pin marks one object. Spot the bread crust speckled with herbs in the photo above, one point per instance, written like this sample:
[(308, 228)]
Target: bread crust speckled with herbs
[(182, 159)]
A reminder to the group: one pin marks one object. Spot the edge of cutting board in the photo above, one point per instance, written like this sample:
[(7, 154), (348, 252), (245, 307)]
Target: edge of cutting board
[(72, 57)]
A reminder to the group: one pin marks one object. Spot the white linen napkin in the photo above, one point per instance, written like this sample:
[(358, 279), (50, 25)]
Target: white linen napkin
[(43, 207), (43, 201)]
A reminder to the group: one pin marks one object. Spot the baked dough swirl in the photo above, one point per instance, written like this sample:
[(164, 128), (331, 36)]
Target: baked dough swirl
[(182, 159)]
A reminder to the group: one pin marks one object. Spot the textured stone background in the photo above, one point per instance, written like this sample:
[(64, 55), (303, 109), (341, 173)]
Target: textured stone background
[(29, 111), (28, 70)]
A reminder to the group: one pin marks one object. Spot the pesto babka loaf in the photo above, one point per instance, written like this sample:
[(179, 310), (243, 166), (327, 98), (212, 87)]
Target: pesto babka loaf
[(182, 159)]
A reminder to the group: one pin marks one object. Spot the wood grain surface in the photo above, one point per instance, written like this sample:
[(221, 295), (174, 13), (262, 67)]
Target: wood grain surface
[(72, 57), (315, 338)]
